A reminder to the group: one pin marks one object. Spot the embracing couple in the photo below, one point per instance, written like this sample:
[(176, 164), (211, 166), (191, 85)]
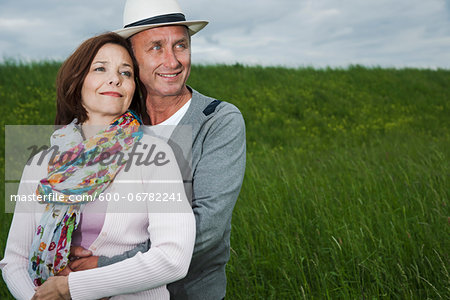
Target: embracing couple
[(110, 87)]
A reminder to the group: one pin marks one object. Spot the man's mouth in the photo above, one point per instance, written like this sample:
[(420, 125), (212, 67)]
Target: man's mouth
[(172, 75)]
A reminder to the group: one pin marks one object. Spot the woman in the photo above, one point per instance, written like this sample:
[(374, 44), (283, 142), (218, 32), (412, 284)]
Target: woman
[(96, 86)]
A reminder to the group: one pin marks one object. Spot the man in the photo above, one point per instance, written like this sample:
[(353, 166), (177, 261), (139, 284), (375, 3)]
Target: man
[(160, 37)]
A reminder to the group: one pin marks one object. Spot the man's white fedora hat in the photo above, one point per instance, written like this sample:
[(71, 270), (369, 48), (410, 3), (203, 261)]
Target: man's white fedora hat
[(139, 15)]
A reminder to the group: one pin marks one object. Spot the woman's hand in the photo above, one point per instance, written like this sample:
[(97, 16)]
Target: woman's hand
[(55, 288)]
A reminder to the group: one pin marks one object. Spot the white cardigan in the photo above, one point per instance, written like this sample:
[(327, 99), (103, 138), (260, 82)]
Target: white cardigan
[(168, 222)]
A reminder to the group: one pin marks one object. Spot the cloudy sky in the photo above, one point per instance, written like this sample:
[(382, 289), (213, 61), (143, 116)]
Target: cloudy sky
[(319, 33)]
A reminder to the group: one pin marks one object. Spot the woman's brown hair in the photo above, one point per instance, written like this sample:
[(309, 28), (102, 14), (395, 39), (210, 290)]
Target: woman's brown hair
[(74, 70)]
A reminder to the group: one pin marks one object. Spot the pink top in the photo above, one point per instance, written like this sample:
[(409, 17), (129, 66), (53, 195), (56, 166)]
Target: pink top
[(91, 224)]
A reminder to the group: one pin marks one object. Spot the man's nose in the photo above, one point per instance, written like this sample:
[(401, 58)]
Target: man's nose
[(170, 59)]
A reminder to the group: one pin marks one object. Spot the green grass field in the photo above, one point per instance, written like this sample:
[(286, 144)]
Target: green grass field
[(346, 192)]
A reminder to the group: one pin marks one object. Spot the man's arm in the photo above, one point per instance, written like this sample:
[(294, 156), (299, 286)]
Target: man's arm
[(82, 259), (217, 179), (105, 261)]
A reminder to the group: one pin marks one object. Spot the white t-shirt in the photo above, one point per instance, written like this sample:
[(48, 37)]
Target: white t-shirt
[(164, 129)]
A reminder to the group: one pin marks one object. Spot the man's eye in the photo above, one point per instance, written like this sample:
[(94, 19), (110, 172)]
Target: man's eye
[(156, 48), (182, 46)]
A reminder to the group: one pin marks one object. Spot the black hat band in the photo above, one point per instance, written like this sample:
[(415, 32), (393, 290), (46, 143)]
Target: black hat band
[(169, 18)]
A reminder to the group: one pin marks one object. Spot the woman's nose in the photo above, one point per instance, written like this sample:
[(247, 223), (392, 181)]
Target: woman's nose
[(114, 80)]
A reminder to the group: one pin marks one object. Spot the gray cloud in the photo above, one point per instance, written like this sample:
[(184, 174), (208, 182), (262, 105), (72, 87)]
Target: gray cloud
[(399, 33)]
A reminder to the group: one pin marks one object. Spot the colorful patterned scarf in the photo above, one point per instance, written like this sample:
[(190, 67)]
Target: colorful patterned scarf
[(75, 174)]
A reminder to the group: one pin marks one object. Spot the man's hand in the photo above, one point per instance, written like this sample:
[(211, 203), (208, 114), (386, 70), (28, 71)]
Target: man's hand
[(86, 263), (80, 259), (78, 252), (65, 272), (55, 288)]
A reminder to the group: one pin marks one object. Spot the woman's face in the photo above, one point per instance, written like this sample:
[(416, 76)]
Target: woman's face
[(109, 85)]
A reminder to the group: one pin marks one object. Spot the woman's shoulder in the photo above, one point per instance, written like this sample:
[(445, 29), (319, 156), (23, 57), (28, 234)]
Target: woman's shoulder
[(36, 165)]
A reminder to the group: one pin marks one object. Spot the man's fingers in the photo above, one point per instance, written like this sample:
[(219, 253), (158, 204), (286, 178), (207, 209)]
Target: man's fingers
[(81, 264), (74, 264), (77, 265), (65, 271), (78, 251)]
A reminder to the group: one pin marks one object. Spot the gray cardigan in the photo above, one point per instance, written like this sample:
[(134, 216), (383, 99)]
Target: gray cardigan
[(212, 170)]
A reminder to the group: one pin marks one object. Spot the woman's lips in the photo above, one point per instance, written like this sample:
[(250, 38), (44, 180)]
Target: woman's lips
[(112, 94)]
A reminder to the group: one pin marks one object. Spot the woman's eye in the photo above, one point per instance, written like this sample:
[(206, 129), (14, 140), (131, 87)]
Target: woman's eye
[(99, 69), (127, 73)]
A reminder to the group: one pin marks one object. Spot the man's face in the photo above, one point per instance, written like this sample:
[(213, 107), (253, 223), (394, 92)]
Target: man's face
[(164, 58)]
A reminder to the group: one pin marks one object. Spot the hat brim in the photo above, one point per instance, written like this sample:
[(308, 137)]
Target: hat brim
[(193, 26)]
